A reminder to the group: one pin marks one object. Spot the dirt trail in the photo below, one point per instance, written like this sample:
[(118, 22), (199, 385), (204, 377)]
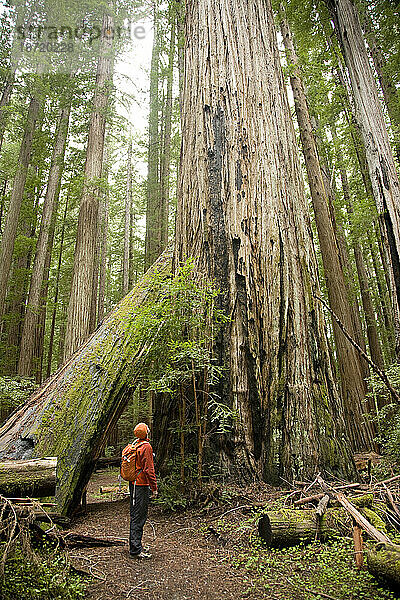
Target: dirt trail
[(186, 564)]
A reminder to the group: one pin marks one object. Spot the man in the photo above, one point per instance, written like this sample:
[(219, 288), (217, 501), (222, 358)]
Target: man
[(140, 491)]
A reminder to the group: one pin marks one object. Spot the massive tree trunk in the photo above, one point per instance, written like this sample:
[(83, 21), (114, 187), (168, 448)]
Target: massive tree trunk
[(243, 216), (381, 165), (349, 362), (71, 415), (80, 304), (11, 224), (25, 364)]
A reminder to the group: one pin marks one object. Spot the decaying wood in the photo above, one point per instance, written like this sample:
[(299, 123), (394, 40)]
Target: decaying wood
[(391, 500), (34, 478), (289, 528), (384, 562), (358, 546), (359, 501), (308, 499), (361, 520), (322, 506), (71, 414), (77, 540), (385, 481)]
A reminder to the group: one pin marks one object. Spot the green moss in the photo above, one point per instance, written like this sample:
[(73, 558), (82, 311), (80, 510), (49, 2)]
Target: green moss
[(374, 519)]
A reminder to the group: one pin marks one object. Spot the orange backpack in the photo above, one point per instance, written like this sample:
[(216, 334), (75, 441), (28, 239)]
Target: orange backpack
[(129, 472)]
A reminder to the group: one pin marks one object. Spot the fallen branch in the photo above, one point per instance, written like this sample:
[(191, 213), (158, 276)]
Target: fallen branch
[(381, 374), (77, 540), (385, 481)]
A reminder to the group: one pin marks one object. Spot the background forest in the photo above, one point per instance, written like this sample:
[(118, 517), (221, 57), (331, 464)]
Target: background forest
[(200, 228)]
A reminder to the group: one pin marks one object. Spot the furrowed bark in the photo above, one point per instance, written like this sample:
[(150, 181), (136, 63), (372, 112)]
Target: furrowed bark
[(242, 215), (71, 415)]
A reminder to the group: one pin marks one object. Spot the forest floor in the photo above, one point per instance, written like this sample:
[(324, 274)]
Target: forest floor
[(211, 554)]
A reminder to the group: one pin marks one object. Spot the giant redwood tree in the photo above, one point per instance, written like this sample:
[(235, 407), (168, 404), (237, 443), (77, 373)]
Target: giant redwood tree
[(242, 214)]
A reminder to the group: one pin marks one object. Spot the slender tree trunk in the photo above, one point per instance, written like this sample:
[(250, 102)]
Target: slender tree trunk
[(56, 292), (103, 255), (382, 289), (382, 234), (11, 224), (242, 215), (80, 303), (166, 148), (152, 247), (349, 362), (4, 100), (127, 222), (46, 232), (2, 203), (381, 165), (369, 312)]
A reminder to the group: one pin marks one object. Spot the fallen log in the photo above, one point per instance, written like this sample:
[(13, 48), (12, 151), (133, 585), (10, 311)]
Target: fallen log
[(289, 528), (34, 478), (71, 414), (383, 561), (41, 516)]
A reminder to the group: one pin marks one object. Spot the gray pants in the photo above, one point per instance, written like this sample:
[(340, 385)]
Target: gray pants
[(139, 504)]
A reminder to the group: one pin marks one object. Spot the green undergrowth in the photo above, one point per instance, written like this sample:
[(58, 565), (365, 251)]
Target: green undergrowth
[(304, 572), (46, 575)]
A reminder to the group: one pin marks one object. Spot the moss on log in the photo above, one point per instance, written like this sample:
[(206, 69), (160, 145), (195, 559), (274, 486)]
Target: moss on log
[(291, 527), (32, 478), (384, 562), (72, 412)]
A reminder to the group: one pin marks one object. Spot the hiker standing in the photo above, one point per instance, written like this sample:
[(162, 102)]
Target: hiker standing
[(140, 489)]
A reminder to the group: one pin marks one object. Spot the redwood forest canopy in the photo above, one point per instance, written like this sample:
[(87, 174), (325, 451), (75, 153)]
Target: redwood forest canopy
[(200, 227)]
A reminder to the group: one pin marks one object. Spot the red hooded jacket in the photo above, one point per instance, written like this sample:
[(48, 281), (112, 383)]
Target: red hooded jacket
[(145, 462)]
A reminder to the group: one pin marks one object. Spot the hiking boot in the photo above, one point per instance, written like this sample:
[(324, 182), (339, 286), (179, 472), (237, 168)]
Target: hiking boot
[(141, 556)]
